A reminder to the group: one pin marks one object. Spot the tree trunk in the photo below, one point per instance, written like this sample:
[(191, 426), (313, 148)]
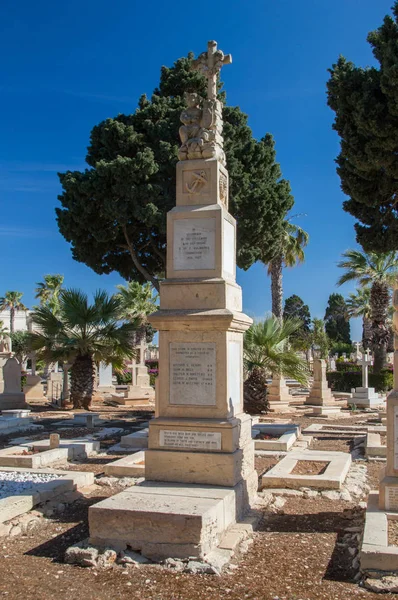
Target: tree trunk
[(12, 319), (255, 393), (379, 303), (82, 382), (276, 286), (366, 333)]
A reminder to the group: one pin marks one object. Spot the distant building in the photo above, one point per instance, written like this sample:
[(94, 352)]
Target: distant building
[(22, 320)]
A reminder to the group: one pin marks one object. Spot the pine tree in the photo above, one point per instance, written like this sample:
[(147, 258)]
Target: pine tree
[(295, 308), (365, 102), (114, 212), (337, 324)]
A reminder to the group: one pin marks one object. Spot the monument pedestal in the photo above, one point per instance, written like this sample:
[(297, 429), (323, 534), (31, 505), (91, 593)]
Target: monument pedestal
[(164, 520), (321, 399), (199, 465), (278, 395), (12, 400), (376, 551), (365, 397)]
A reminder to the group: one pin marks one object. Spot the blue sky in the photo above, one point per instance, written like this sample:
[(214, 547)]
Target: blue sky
[(68, 65)]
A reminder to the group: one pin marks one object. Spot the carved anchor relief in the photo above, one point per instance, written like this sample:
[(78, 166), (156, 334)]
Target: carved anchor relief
[(199, 180)]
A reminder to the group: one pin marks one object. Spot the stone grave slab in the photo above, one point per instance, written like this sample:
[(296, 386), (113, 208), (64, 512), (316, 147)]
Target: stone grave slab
[(136, 440), (342, 430), (14, 457), (89, 419), (286, 436), (280, 476), (375, 551), (16, 413), (17, 504), (77, 448), (164, 520), (128, 466), (374, 447)]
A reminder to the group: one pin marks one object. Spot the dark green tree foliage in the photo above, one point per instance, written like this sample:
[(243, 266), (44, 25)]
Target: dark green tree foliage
[(295, 308), (337, 324), (365, 101), (114, 213)]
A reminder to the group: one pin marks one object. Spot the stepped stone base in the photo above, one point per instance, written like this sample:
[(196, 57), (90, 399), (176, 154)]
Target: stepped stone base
[(366, 398), (280, 406), (325, 410), (16, 400), (163, 520)]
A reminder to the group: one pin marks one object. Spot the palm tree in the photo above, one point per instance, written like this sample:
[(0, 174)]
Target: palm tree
[(266, 352), (358, 305), (83, 334), (137, 302), (12, 301), (379, 272), (48, 291), (289, 252), (266, 346)]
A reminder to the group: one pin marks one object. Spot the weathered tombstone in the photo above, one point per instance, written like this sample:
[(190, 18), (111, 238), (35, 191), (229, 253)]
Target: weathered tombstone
[(12, 397), (278, 395), (54, 440), (105, 384), (33, 389), (321, 397), (54, 388), (200, 438), (366, 397)]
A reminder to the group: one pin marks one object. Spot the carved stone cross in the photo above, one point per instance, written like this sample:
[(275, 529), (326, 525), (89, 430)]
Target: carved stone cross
[(209, 63), (366, 361)]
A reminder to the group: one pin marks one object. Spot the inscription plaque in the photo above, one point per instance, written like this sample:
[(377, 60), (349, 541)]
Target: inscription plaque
[(190, 439), (193, 373), (391, 498), (194, 245)]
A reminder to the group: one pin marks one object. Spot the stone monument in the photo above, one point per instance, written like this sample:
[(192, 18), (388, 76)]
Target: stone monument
[(54, 388), (388, 490), (140, 391), (378, 554), (199, 466), (366, 397), (278, 395), (105, 384), (12, 397), (321, 398)]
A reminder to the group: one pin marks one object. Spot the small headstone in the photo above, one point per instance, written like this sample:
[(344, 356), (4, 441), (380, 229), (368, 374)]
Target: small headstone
[(54, 440), (12, 376)]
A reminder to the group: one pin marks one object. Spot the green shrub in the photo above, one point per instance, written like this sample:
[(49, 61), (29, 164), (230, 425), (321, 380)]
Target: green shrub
[(124, 378), (344, 381)]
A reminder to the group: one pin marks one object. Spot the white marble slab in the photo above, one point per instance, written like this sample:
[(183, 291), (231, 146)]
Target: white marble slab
[(194, 244), (193, 373)]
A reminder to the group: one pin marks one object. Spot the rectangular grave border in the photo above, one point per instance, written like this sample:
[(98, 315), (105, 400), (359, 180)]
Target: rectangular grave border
[(374, 447), (375, 551), (127, 466), (14, 506), (13, 457), (280, 476), (288, 434)]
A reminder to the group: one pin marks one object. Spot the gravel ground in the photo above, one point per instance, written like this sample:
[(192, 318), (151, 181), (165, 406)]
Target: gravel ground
[(392, 532), (13, 483), (296, 554), (309, 467)]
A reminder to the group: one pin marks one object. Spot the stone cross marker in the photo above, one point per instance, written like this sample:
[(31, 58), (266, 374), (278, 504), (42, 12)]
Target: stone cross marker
[(209, 64), (366, 361)]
